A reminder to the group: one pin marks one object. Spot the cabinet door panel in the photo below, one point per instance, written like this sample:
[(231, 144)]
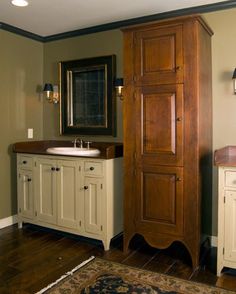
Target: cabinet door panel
[(158, 56), (230, 225), (159, 123), (25, 192), (160, 200), (93, 205), (67, 196), (46, 190)]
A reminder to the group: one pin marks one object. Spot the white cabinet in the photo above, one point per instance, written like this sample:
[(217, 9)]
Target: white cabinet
[(77, 195), (226, 252)]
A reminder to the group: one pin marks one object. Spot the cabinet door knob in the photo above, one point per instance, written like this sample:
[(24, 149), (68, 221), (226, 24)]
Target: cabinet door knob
[(178, 179), (29, 179), (91, 168), (52, 168), (57, 169), (85, 187), (24, 161), (179, 119)]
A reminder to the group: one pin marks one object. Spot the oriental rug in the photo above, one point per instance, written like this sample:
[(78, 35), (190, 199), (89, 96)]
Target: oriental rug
[(101, 276)]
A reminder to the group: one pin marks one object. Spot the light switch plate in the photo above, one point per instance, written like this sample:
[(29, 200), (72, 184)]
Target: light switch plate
[(30, 133)]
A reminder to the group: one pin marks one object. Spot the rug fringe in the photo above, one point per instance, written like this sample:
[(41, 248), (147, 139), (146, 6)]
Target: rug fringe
[(70, 273)]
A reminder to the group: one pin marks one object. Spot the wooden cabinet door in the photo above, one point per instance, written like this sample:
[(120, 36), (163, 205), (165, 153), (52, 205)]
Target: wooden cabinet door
[(46, 190), (230, 226), (159, 125), (67, 193), (159, 200), (25, 193), (93, 205), (158, 56)]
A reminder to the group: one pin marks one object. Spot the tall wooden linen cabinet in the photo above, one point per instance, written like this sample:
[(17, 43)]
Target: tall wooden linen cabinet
[(167, 131)]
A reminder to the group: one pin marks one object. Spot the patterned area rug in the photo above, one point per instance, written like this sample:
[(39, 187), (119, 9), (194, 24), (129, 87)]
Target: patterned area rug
[(101, 276)]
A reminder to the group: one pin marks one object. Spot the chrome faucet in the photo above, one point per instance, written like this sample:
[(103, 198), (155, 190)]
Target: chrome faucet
[(80, 141)]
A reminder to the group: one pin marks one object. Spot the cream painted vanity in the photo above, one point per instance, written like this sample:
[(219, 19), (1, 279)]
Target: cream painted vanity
[(225, 159), (80, 195)]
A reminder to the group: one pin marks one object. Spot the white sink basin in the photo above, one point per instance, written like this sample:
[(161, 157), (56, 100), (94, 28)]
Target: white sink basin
[(73, 151)]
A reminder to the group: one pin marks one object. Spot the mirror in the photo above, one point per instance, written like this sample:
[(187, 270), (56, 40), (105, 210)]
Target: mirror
[(87, 104)]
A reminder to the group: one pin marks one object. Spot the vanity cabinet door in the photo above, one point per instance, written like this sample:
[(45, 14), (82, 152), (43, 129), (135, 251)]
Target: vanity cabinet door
[(46, 176), (68, 179), (93, 189), (25, 193)]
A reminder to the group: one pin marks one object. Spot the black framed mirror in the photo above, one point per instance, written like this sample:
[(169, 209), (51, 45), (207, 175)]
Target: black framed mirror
[(87, 104)]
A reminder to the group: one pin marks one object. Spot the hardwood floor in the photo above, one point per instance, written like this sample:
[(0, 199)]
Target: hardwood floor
[(33, 257)]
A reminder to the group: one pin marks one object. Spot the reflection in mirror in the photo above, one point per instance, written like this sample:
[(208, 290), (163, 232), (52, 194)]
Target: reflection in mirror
[(87, 96)]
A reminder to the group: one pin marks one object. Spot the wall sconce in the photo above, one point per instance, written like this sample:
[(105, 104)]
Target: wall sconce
[(234, 80), (119, 85), (52, 93)]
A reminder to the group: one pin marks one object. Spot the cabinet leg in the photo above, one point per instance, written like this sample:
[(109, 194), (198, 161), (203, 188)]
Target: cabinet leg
[(20, 225), (106, 244)]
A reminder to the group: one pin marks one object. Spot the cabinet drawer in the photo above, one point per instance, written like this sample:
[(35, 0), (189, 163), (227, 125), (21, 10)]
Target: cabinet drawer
[(93, 168), (25, 162), (230, 178)]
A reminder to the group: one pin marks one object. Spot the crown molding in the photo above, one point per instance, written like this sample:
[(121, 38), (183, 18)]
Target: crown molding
[(124, 23)]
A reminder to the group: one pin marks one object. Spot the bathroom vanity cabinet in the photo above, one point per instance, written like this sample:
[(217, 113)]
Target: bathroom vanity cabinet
[(72, 194), (225, 159)]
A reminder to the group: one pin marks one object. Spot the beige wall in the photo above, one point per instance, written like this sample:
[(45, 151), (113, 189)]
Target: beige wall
[(98, 44), (21, 62), (224, 100)]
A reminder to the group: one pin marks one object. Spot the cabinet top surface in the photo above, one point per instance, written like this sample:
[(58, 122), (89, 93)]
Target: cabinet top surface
[(225, 156), (108, 150)]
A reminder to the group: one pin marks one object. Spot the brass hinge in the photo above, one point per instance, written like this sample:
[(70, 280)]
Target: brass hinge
[(35, 164), (223, 250), (101, 228), (80, 223), (224, 199), (101, 186), (35, 213), (79, 168)]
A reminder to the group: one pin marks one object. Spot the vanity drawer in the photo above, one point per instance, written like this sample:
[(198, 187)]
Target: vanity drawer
[(25, 161), (93, 168), (230, 178)]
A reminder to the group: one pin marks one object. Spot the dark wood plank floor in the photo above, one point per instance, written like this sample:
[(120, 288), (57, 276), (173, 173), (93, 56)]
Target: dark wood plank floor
[(33, 257)]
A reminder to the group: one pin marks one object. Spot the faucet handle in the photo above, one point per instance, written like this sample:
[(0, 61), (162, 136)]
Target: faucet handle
[(88, 144)]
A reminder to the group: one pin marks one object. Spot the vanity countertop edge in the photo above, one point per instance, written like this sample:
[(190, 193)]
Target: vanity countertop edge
[(109, 150), (225, 156)]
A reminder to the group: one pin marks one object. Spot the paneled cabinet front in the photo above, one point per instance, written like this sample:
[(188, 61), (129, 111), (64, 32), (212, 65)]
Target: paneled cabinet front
[(56, 192), (72, 194)]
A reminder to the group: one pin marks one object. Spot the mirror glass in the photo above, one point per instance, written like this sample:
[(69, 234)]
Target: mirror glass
[(87, 96)]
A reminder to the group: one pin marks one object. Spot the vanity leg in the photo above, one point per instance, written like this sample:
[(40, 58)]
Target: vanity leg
[(106, 244), (20, 225)]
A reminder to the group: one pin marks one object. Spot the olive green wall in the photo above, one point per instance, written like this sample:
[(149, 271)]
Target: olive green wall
[(21, 63), (26, 64), (98, 44)]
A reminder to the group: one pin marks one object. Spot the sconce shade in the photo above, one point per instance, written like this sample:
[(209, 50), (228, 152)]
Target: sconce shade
[(234, 74), (119, 82), (48, 88)]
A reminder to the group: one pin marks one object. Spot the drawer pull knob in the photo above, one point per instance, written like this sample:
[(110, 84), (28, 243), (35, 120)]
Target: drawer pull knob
[(24, 161), (52, 168), (85, 187), (57, 169), (91, 168), (29, 180)]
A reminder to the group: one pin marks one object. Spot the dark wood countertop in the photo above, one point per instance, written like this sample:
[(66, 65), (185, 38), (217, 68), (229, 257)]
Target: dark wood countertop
[(225, 156), (108, 150)]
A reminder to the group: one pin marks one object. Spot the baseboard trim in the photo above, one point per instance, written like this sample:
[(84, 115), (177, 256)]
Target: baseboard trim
[(8, 221), (213, 239)]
